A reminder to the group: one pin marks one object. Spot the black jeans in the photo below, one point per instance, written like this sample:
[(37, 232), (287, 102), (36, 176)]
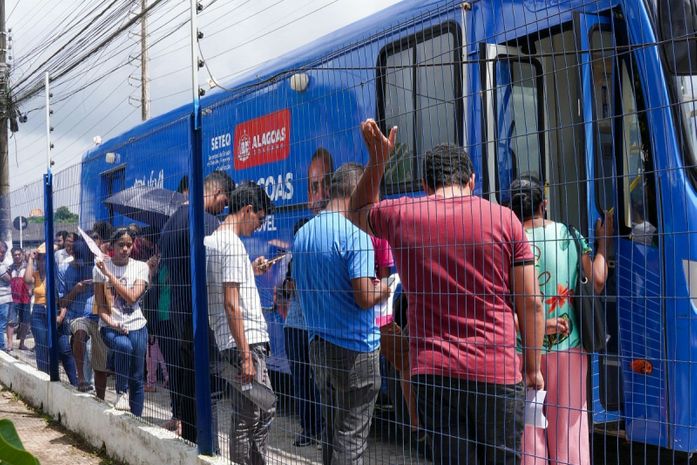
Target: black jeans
[(306, 396), (471, 422)]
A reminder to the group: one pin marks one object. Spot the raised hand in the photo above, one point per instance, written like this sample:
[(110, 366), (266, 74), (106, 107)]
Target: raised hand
[(380, 147)]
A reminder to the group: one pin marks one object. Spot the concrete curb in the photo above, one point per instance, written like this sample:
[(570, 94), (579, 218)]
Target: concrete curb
[(124, 436)]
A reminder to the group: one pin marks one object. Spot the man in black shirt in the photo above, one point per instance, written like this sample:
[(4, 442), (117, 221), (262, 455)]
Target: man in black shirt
[(176, 259)]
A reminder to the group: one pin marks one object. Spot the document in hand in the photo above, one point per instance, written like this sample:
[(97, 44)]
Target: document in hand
[(94, 248), (383, 311), (534, 403)]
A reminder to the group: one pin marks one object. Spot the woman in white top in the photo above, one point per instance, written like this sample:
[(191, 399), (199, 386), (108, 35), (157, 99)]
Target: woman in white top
[(119, 285)]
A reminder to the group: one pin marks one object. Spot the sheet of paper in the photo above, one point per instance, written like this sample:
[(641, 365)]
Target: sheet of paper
[(534, 403), (94, 248), (383, 311)]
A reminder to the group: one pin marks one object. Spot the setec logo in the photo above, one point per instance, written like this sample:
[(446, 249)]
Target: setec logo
[(262, 140)]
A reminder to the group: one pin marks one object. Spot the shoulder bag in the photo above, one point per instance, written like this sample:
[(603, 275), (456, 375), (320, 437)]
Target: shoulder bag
[(588, 306)]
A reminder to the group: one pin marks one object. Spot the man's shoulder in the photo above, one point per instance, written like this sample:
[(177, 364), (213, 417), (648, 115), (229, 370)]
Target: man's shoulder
[(174, 223), (223, 239)]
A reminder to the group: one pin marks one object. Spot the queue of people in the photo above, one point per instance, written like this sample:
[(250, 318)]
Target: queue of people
[(486, 289)]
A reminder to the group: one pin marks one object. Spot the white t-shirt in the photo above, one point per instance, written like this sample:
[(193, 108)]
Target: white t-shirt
[(130, 316), (62, 257), (227, 261)]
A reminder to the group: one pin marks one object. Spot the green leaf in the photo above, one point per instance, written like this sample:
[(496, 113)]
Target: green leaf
[(11, 449)]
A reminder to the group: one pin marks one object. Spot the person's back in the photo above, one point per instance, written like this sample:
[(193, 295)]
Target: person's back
[(334, 272), (323, 254), (465, 265), (69, 275), (455, 257), (176, 256)]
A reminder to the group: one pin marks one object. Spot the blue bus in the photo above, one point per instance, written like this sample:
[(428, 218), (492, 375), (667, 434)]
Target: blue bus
[(594, 97)]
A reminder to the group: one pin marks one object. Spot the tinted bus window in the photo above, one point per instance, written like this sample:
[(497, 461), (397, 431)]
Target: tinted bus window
[(419, 92), (677, 28), (519, 144), (603, 55)]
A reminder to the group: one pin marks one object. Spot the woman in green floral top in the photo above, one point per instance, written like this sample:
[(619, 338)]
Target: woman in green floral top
[(564, 364)]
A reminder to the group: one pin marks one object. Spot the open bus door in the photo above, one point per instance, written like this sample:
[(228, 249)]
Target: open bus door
[(630, 376), (513, 104)]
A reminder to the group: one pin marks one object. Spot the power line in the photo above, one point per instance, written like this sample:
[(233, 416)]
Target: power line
[(35, 89)]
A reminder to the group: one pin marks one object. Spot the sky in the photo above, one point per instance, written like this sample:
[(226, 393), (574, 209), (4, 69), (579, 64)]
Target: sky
[(239, 34)]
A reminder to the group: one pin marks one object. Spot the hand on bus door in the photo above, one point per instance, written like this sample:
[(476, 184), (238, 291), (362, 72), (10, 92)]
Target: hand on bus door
[(380, 148), (604, 229)]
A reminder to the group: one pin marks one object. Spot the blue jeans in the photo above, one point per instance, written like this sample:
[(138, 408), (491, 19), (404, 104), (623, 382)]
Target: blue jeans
[(39, 328), (65, 351), (129, 363), (4, 314), (305, 393)]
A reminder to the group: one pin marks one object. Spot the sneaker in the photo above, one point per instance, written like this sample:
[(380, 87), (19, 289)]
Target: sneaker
[(84, 386), (122, 402), (303, 440)]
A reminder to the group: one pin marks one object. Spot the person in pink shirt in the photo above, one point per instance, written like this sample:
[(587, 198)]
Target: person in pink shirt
[(394, 344), (466, 267)]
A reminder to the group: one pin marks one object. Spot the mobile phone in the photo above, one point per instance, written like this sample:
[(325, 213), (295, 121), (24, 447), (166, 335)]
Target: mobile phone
[(276, 259)]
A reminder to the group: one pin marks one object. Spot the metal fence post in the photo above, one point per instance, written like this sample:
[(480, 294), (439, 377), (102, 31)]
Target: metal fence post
[(50, 281), (199, 298)]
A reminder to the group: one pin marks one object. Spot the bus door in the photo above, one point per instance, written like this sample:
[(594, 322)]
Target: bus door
[(513, 105), (630, 376), (113, 181)]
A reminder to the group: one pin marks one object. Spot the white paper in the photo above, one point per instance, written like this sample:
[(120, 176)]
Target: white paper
[(534, 403), (94, 248), (384, 310)]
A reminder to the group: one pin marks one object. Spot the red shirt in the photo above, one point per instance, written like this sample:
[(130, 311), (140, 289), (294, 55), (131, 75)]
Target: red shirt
[(454, 257)]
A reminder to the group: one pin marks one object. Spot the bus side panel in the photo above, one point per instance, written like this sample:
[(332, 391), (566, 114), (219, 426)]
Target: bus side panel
[(641, 338), (156, 158), (325, 116), (677, 207)]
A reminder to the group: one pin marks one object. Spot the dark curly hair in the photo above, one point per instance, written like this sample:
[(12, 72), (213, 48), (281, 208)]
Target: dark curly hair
[(526, 196), (447, 165)]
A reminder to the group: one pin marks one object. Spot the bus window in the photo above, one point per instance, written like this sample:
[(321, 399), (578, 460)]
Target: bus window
[(399, 111), (519, 137), (419, 81), (639, 213), (112, 182), (677, 27), (603, 54)]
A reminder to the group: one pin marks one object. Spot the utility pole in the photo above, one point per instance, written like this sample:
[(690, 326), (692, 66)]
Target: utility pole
[(144, 88), (5, 225)]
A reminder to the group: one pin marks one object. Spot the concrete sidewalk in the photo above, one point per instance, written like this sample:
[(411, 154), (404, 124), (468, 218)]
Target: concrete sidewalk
[(49, 442)]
